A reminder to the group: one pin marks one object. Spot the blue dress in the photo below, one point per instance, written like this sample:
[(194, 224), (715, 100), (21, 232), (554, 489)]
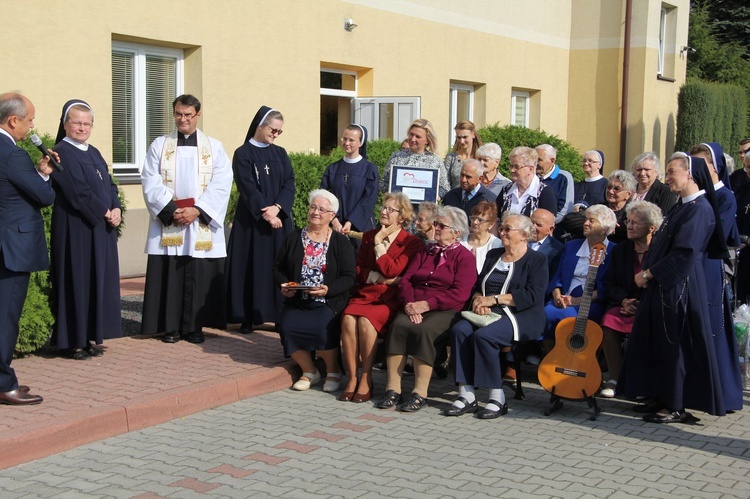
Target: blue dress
[(590, 193), (671, 353), (85, 270), (719, 307), (356, 187)]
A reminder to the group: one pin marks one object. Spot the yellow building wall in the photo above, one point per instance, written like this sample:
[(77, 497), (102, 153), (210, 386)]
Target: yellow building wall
[(240, 55)]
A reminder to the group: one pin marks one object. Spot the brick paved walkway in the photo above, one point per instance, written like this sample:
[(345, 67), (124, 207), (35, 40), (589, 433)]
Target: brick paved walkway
[(138, 382), (308, 444)]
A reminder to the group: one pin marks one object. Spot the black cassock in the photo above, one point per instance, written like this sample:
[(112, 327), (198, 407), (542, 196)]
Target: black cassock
[(85, 270), (671, 352), (264, 177)]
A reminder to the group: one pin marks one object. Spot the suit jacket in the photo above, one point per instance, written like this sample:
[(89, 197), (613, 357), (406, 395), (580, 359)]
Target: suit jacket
[(526, 282), (23, 192), (552, 249), (454, 196), (563, 276)]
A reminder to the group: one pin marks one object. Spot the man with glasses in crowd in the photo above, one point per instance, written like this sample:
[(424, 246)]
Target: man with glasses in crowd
[(741, 176), (187, 177)]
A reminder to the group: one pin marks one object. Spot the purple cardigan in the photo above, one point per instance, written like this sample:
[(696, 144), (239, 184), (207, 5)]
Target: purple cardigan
[(445, 288)]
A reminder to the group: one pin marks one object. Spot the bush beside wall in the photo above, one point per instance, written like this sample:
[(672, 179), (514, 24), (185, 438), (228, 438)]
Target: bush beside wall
[(711, 112)]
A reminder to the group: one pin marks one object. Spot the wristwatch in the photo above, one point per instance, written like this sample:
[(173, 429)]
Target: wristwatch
[(646, 275), (497, 300)]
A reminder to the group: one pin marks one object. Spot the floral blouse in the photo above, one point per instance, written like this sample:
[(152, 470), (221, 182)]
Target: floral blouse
[(313, 265)]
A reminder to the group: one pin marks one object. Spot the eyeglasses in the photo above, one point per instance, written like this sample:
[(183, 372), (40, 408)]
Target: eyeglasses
[(518, 167), (506, 228), (389, 210), (187, 116), (635, 222), (275, 131), (592, 161), (81, 124), (441, 226), (615, 188), (320, 210), (479, 220)]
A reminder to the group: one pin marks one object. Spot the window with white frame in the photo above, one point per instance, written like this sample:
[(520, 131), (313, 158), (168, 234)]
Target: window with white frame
[(145, 81), (667, 41), (461, 106), (519, 108), (337, 88)]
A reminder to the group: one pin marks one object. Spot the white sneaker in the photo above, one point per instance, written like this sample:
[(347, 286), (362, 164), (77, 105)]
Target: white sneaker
[(608, 391), (305, 384), (533, 360)]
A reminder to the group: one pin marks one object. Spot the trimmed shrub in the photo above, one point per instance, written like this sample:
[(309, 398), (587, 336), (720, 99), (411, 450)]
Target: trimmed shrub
[(510, 136), (35, 326), (711, 112)]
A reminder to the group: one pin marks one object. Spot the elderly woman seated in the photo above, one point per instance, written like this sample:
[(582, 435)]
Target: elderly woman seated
[(622, 295), (382, 258), (512, 284), (437, 284), (424, 225), (618, 193), (481, 240), (315, 268), (566, 286)]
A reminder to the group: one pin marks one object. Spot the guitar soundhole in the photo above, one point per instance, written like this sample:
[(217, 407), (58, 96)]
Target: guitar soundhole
[(577, 342)]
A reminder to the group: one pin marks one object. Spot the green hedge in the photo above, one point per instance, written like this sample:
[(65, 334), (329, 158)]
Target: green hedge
[(711, 112), (35, 326), (510, 136)]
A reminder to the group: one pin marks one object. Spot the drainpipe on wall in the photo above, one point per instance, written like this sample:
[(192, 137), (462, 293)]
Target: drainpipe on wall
[(625, 83)]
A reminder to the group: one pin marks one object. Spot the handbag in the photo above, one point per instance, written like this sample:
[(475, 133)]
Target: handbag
[(480, 320)]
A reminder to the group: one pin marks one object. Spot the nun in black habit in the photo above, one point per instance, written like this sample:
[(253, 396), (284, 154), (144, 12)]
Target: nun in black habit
[(354, 181), (83, 240), (671, 356), (265, 180)]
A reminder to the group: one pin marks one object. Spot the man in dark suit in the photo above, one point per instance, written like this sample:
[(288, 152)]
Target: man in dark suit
[(542, 240), (24, 189), (471, 192)]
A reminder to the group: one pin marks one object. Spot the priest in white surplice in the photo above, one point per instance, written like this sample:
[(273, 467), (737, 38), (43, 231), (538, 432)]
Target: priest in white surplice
[(187, 178)]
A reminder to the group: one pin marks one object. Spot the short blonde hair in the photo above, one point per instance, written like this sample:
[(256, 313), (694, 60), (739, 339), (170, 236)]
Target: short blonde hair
[(404, 204), (429, 130)]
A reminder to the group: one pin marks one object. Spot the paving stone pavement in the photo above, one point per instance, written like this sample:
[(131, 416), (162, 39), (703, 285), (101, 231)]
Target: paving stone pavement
[(308, 444)]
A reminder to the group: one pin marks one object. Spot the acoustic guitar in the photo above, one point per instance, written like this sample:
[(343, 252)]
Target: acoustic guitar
[(571, 370)]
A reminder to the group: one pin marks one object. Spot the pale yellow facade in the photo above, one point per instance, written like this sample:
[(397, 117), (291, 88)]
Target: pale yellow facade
[(565, 55)]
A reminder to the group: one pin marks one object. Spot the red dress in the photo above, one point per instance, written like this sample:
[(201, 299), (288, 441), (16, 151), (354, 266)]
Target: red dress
[(379, 302)]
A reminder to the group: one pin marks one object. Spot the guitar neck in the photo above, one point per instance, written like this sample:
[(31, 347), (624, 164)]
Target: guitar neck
[(583, 310)]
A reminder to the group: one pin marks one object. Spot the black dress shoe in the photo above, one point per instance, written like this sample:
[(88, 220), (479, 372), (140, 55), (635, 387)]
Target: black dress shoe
[(415, 403), (649, 407), (93, 351), (669, 417), (19, 397), (460, 411), (246, 328), (78, 354), (195, 337), (490, 414), (172, 337), (390, 399)]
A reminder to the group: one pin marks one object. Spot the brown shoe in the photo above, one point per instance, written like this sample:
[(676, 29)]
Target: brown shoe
[(19, 397)]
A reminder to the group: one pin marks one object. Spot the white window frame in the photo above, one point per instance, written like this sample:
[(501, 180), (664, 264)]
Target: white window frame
[(454, 89), (662, 39), (514, 96), (140, 51), (366, 111), (340, 93)]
